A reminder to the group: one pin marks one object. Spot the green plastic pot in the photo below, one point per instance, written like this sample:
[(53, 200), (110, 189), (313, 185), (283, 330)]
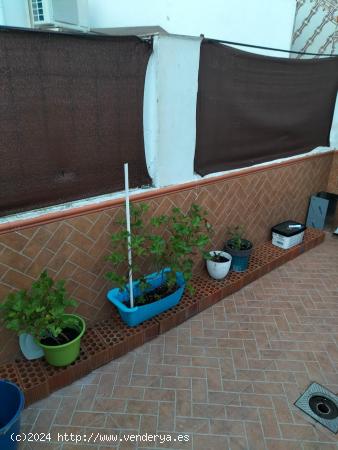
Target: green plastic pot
[(63, 355)]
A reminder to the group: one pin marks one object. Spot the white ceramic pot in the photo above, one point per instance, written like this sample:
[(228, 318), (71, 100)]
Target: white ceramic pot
[(219, 270)]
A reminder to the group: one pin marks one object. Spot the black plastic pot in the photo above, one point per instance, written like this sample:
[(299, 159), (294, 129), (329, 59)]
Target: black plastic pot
[(240, 258)]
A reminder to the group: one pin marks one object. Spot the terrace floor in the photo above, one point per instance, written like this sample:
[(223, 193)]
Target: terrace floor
[(227, 377)]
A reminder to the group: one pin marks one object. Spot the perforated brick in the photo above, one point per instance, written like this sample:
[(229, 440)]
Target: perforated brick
[(187, 307), (33, 379), (113, 338), (96, 348), (59, 377), (9, 372)]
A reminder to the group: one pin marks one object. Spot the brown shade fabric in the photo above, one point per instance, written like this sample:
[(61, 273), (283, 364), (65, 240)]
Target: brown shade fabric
[(254, 108), (71, 113)]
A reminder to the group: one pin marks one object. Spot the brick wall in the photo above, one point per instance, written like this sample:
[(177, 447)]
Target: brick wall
[(75, 248), (332, 185)]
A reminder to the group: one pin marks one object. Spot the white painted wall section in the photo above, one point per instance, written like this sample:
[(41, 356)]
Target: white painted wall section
[(261, 22), (16, 13), (170, 109), (2, 13), (334, 128)]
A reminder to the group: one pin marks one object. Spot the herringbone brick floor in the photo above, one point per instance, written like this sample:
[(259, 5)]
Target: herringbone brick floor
[(227, 377)]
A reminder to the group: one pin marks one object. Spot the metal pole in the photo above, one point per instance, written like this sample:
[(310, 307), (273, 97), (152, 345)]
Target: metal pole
[(126, 184)]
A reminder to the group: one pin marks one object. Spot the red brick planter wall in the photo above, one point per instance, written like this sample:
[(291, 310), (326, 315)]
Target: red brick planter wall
[(75, 247)]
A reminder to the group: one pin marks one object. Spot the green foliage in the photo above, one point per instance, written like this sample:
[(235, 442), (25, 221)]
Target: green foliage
[(187, 235), (236, 236), (39, 311)]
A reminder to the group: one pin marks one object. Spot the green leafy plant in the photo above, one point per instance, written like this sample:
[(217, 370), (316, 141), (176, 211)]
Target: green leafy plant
[(39, 311), (186, 235), (236, 234)]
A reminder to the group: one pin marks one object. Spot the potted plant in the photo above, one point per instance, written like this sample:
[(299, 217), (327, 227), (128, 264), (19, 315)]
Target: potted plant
[(239, 248), (40, 312), (218, 264), (172, 256)]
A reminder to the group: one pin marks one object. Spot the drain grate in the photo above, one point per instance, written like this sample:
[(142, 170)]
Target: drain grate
[(320, 404)]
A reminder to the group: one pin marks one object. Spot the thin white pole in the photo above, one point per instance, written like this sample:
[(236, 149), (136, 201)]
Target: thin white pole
[(126, 184)]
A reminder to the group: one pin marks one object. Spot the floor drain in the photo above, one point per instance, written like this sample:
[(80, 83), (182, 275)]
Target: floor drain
[(321, 405)]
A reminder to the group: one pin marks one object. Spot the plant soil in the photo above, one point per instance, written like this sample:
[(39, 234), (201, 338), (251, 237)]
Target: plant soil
[(244, 246), (155, 295), (219, 259), (68, 335)]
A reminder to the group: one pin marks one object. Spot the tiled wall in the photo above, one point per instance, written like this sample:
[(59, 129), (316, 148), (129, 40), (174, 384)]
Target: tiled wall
[(75, 248)]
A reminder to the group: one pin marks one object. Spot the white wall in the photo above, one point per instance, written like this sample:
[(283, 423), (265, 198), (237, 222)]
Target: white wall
[(334, 128), (170, 109), (15, 13), (260, 22)]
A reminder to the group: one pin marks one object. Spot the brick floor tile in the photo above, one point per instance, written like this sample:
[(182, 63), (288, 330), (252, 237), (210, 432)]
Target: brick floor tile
[(145, 380), (177, 382), (250, 375), (300, 432), (166, 417), (159, 394), (255, 436), (237, 443), (201, 361), (123, 421), (148, 424), (86, 397), (44, 421), (224, 398), (65, 411), (214, 380), (183, 403), (262, 387), (193, 372), (193, 425), (258, 400), (88, 419), (278, 444), (162, 369), (128, 392), (201, 442), (319, 446), (241, 413), (269, 423), (227, 427), (103, 404), (214, 411), (199, 390), (142, 407), (237, 386), (105, 387)]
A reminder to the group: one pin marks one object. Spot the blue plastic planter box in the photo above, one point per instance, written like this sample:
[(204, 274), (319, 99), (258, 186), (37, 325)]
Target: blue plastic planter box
[(138, 314)]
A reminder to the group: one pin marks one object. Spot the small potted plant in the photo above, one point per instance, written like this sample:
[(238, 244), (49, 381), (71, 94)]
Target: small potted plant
[(218, 264), (40, 312), (172, 255), (239, 248)]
